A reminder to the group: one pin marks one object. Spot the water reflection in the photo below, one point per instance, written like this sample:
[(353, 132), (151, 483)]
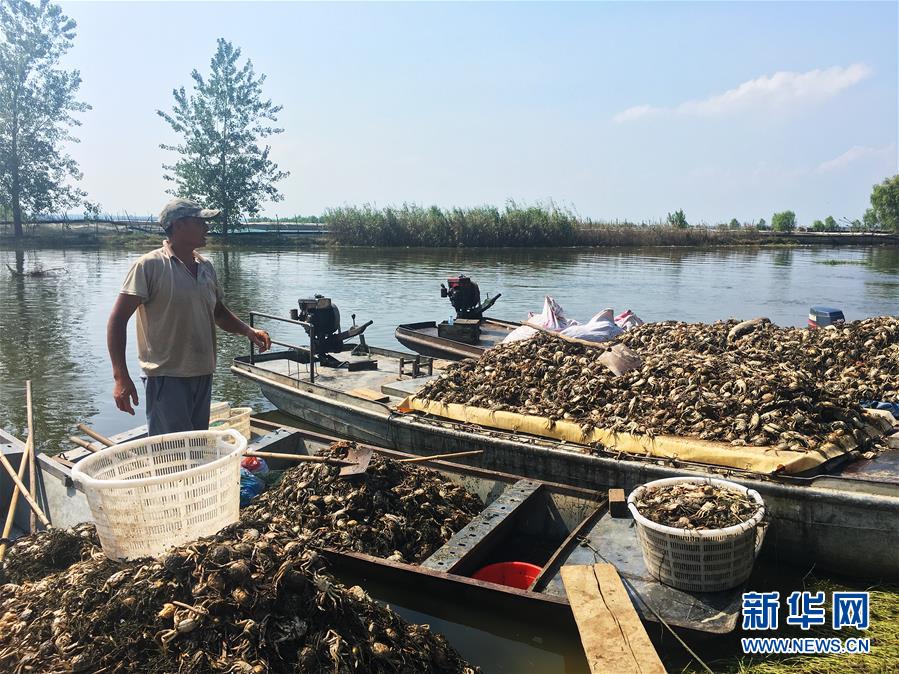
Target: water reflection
[(41, 321), (52, 329)]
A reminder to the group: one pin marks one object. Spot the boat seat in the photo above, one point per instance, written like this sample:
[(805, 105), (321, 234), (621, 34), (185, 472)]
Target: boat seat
[(463, 553)]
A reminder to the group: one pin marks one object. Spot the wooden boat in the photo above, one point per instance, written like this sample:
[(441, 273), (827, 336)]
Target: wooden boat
[(423, 338), (844, 518), (542, 523)]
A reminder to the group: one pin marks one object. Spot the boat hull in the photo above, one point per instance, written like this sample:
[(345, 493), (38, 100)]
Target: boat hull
[(423, 338), (844, 525)]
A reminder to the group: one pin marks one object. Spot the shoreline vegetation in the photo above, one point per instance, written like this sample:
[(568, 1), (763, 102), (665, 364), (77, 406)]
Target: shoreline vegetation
[(412, 226)]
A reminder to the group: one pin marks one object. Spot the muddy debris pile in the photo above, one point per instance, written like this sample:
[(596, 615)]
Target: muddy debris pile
[(758, 385), (242, 602), (37, 555), (400, 512), (695, 506)]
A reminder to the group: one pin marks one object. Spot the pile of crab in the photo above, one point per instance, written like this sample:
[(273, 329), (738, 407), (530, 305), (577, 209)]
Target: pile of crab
[(254, 598)]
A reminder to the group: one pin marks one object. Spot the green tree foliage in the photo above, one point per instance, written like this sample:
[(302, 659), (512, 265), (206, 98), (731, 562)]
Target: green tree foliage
[(885, 204), (869, 220), (678, 219), (784, 221), (37, 100), (734, 224), (817, 226), (221, 163), (762, 224), (830, 225)]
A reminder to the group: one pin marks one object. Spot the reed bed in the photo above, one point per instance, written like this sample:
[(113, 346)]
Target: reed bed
[(484, 226), (541, 225), (648, 235)]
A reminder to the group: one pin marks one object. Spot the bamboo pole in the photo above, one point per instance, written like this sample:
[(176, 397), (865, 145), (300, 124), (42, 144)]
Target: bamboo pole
[(21, 485), (32, 468), (434, 457), (87, 430), (14, 501), (82, 443)]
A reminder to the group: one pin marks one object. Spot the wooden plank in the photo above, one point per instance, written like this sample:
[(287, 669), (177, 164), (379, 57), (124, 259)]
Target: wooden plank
[(611, 632), (618, 503), (368, 394)]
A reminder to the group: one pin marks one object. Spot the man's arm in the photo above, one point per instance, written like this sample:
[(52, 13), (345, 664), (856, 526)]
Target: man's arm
[(123, 391), (227, 321)]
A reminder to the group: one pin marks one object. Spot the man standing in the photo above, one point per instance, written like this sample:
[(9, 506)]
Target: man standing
[(179, 303)]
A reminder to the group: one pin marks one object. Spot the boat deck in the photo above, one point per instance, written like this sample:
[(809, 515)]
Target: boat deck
[(385, 382)]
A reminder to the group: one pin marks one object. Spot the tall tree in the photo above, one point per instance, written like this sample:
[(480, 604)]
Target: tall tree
[(678, 219), (885, 204), (221, 163), (784, 221), (37, 99)]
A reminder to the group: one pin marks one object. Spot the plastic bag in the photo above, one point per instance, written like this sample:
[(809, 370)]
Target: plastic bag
[(520, 334), (553, 316), (250, 487), (628, 320), (255, 465), (600, 328)]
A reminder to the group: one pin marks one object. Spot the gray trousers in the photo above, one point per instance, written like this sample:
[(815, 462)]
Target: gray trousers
[(176, 404)]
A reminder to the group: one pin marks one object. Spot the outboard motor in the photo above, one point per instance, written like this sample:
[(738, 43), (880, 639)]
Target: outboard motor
[(325, 319), (822, 317), (465, 296)]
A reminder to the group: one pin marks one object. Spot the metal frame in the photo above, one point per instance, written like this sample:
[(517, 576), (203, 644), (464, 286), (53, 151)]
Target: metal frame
[(310, 330)]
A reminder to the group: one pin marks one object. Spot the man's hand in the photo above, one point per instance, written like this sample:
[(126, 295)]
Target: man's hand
[(125, 394), (261, 339)]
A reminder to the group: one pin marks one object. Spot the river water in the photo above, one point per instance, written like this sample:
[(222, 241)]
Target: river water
[(52, 329)]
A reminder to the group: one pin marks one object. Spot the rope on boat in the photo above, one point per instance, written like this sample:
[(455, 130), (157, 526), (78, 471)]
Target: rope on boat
[(586, 543)]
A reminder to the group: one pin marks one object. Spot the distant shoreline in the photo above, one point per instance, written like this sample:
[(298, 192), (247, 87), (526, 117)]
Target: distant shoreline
[(601, 237)]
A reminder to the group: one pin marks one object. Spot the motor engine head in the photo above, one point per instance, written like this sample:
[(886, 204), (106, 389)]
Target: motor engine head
[(463, 294)]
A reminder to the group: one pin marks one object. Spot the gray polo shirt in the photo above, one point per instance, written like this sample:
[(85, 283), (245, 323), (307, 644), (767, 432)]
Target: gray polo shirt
[(176, 319)]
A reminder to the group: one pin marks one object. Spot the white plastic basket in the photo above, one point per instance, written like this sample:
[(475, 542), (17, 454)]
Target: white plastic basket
[(151, 494), (705, 560), (219, 411), (239, 420)]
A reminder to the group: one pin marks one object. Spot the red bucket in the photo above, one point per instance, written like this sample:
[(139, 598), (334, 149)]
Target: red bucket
[(513, 574)]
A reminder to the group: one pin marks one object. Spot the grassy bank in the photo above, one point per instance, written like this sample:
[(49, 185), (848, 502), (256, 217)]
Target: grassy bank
[(137, 240), (883, 633), (412, 226), (541, 226)]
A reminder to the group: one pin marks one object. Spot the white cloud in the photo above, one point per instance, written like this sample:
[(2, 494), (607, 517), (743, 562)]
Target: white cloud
[(781, 88), (854, 154), (636, 112)]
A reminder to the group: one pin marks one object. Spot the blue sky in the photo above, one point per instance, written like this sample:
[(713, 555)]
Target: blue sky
[(618, 110)]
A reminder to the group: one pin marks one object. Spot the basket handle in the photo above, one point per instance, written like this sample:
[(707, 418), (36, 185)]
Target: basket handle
[(235, 437)]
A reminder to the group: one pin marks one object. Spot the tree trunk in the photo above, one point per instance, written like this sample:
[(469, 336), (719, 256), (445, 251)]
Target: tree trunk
[(16, 192), (16, 213)]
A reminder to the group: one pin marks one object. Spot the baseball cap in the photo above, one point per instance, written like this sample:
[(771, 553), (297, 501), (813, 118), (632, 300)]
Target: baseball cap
[(184, 208)]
